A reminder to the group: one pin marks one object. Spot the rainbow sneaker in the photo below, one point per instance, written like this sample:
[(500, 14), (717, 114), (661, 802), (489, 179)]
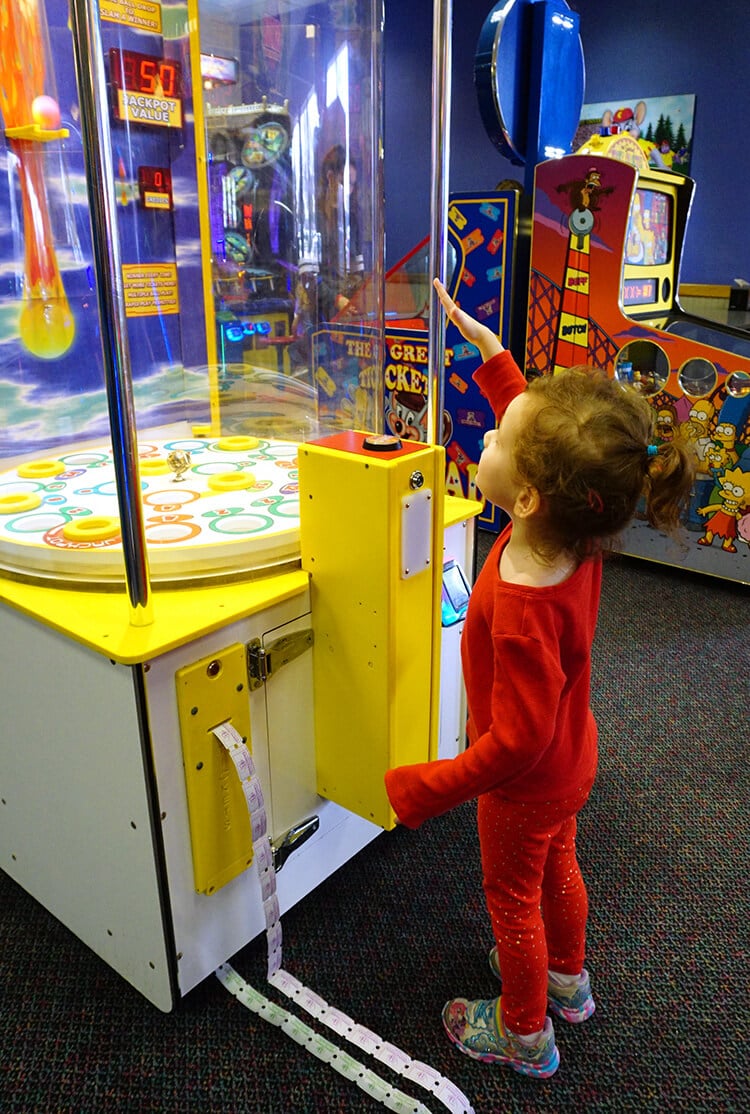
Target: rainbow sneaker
[(478, 1030), (573, 1003)]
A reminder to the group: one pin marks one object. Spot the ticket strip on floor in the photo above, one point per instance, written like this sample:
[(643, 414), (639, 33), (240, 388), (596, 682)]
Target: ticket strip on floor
[(372, 1084)]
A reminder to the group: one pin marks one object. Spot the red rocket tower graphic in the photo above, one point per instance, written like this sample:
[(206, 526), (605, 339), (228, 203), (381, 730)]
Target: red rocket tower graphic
[(572, 337)]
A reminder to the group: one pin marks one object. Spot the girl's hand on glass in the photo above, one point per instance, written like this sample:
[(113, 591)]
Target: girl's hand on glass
[(472, 330)]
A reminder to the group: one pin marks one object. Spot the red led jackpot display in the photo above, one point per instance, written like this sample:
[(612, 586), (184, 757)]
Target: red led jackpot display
[(146, 89)]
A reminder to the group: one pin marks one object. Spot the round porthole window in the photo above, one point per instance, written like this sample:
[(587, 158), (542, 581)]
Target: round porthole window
[(644, 365), (697, 377)]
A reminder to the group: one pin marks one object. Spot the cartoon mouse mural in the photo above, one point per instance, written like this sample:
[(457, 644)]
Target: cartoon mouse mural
[(628, 120)]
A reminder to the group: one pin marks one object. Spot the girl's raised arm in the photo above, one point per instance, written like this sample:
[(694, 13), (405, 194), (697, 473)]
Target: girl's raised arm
[(486, 341)]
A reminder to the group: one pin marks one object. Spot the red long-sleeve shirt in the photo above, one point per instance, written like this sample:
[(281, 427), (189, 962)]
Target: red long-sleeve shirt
[(526, 655)]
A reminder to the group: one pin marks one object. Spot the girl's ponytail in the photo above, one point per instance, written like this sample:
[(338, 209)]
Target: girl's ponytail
[(670, 468)]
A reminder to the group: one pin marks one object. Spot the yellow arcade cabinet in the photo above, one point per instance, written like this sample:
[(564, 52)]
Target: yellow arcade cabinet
[(200, 520)]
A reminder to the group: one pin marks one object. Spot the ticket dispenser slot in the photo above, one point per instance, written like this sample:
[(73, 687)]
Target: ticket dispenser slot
[(210, 692), (371, 524)]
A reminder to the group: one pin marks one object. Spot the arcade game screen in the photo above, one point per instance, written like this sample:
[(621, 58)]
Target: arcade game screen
[(648, 278), (649, 236)]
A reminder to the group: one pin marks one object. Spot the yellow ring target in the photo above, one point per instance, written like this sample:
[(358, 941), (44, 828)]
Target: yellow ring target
[(19, 503), (41, 469), (153, 467), (95, 528), (237, 444), (231, 481)]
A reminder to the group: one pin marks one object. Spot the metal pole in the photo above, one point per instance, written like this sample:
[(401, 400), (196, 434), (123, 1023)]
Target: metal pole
[(442, 31), (100, 181)]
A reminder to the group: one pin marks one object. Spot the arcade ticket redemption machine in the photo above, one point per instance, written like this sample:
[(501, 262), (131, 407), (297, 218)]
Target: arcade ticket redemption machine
[(480, 267), (297, 564), (606, 243)]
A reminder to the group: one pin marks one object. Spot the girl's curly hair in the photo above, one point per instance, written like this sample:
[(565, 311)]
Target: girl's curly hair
[(588, 449)]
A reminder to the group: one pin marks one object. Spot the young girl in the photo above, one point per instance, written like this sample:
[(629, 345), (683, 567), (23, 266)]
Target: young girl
[(571, 458)]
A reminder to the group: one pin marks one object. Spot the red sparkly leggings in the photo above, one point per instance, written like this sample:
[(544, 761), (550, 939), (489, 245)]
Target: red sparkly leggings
[(536, 898)]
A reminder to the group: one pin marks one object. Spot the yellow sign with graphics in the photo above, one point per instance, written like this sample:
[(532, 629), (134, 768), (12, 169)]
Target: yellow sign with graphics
[(150, 289), (152, 199), (141, 108), (144, 15)]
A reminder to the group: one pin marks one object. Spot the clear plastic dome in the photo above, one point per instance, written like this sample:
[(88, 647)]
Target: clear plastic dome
[(247, 179)]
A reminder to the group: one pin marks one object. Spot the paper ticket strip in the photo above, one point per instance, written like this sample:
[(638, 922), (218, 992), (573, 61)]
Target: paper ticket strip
[(372, 1084)]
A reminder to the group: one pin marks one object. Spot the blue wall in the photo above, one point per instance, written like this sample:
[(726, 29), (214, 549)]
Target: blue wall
[(648, 49)]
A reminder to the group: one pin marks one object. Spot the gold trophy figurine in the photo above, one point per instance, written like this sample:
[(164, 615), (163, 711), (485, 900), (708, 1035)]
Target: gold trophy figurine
[(179, 460)]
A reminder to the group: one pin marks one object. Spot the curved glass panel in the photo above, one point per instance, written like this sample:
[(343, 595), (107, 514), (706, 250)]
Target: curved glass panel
[(408, 286), (293, 241), (245, 145), (726, 339)]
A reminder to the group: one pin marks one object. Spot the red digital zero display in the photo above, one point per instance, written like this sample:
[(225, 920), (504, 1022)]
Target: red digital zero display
[(155, 187), (147, 89)]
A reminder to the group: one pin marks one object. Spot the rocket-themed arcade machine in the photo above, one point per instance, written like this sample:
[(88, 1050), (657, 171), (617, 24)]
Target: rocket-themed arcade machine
[(606, 243), (479, 273), (220, 581)]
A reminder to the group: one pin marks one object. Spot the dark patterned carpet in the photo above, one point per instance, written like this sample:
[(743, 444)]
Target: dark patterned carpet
[(664, 845)]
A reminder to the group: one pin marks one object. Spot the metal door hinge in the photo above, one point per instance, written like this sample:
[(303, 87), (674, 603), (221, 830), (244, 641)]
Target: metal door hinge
[(262, 661), (294, 839)]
